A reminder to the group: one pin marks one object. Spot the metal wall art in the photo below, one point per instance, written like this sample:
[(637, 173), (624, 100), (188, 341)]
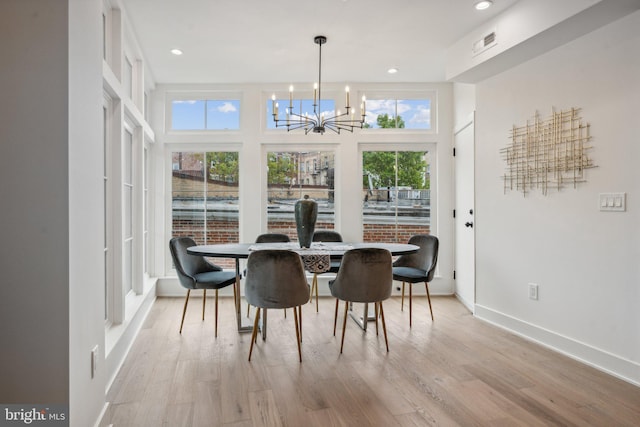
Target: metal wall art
[(549, 153)]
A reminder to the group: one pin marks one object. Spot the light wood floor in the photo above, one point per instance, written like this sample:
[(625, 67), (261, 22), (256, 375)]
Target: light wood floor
[(456, 371)]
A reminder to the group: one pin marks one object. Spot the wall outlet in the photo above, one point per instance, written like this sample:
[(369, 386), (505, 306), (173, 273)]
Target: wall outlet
[(533, 291), (95, 352)]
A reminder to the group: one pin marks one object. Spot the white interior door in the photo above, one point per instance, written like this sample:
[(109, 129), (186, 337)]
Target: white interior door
[(465, 262)]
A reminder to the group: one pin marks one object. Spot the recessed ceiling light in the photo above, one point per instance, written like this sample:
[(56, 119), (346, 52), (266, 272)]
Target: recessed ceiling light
[(392, 70), (484, 4), (176, 51)]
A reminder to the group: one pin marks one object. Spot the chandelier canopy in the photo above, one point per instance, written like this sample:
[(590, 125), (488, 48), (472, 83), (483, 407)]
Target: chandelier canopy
[(318, 121)]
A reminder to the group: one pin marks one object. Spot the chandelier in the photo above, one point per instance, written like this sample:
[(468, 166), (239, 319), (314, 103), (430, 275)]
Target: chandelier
[(319, 121)]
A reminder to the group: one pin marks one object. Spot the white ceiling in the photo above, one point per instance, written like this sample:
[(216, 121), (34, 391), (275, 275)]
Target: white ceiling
[(258, 41)]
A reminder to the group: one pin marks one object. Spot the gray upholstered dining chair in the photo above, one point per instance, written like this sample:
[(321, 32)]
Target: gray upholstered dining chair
[(270, 238), (276, 279), (417, 267), (324, 236), (364, 276), (195, 272)]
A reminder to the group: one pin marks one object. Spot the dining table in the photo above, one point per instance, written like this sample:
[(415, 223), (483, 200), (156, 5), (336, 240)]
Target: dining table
[(316, 259)]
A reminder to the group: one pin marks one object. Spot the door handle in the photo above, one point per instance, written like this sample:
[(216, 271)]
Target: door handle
[(468, 224)]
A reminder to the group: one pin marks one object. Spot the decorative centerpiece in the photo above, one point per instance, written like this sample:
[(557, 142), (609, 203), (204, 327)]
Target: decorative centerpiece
[(306, 212)]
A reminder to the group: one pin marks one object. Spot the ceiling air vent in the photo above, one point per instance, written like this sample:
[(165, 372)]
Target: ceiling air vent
[(484, 43)]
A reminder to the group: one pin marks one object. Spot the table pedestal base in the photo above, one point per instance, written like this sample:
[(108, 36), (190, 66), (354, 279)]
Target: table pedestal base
[(360, 320)]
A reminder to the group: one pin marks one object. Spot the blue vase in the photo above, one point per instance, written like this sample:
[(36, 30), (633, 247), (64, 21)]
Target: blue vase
[(306, 213)]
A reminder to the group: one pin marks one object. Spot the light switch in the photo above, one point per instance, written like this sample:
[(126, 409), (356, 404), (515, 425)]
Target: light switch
[(613, 202)]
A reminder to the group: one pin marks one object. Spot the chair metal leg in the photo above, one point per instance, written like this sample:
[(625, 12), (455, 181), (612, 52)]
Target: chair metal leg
[(402, 304), (426, 285), (375, 305), (184, 310), (300, 321), (384, 326), (315, 284), (344, 324), (255, 332), (335, 318), (204, 300), (264, 324), (410, 303), (298, 333), (216, 333)]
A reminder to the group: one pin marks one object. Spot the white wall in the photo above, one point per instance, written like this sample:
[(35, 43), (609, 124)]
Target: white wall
[(50, 169), (586, 262), (86, 224), (34, 333)]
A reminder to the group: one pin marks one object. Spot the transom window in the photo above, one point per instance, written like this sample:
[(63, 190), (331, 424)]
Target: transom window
[(385, 113), (205, 114)]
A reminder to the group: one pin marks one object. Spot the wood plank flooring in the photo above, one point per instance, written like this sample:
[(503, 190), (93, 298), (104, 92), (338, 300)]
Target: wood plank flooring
[(456, 371)]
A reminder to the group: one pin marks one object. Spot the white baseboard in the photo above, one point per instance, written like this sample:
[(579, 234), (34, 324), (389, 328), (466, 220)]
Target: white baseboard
[(101, 416), (468, 304), (612, 364)]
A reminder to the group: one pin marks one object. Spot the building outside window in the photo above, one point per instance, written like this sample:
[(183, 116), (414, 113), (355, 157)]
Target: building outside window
[(204, 198), (290, 179), (396, 197)]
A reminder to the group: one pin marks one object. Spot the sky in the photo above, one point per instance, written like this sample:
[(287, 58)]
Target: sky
[(225, 114)]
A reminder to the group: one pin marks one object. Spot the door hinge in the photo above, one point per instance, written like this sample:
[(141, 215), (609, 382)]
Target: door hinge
[(454, 213), (454, 151), (454, 275)]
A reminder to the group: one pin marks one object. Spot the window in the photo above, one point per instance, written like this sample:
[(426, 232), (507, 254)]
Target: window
[(145, 105), (205, 114), (396, 195), (303, 107), (127, 212), (106, 207), (104, 36), (146, 218), (204, 197), (127, 79), (398, 113), (288, 180)]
